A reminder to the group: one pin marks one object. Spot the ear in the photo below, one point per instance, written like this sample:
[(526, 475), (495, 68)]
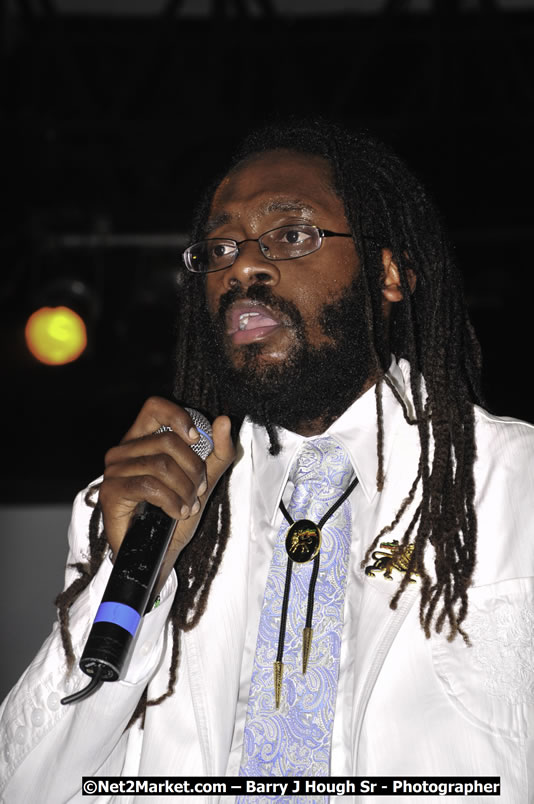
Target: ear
[(391, 285)]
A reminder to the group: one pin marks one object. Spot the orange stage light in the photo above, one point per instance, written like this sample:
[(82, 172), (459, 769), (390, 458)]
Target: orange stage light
[(55, 335)]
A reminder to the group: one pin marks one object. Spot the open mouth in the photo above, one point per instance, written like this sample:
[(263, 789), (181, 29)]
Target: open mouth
[(248, 322)]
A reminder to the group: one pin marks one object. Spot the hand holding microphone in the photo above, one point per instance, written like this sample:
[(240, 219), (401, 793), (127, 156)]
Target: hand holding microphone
[(153, 494)]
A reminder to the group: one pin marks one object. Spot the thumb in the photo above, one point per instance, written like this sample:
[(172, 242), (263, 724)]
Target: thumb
[(224, 451)]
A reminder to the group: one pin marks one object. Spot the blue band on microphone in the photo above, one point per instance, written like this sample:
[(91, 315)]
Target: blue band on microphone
[(205, 434), (119, 614)]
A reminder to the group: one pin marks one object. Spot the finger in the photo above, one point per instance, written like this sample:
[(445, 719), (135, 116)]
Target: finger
[(167, 443), (161, 467), (120, 496), (158, 412), (223, 453), (127, 491)]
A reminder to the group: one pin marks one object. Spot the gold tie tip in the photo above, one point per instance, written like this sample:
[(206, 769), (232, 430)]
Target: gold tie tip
[(278, 673), (307, 635)]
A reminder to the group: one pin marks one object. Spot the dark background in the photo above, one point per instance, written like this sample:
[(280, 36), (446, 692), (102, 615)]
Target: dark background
[(113, 124)]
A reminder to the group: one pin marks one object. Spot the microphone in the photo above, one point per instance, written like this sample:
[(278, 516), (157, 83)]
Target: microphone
[(131, 582)]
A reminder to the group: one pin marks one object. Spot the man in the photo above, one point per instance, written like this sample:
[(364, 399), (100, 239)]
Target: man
[(314, 260)]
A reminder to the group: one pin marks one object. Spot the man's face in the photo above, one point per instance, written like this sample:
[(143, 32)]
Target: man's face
[(277, 189), (291, 335)]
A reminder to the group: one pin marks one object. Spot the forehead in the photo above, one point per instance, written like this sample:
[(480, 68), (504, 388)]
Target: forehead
[(276, 181)]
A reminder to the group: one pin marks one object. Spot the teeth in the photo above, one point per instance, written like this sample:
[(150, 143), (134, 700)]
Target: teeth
[(243, 319)]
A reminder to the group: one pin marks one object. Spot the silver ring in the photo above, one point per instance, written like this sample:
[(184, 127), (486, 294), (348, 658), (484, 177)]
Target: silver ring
[(163, 429)]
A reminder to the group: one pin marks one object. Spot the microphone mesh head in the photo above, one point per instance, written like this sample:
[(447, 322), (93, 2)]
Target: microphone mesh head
[(205, 445)]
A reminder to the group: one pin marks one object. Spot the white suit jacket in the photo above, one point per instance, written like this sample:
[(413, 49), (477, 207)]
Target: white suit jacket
[(420, 707)]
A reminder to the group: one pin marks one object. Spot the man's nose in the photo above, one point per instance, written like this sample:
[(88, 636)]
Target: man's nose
[(251, 267)]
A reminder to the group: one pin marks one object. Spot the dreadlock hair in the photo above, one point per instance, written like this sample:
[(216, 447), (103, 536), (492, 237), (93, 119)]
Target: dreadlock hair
[(386, 207)]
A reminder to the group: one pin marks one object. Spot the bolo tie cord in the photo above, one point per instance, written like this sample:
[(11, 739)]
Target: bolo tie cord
[(307, 632)]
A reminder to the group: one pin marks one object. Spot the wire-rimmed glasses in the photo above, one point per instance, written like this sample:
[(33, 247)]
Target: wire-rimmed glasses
[(283, 243)]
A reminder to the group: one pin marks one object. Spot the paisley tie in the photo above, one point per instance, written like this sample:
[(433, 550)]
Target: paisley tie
[(295, 739)]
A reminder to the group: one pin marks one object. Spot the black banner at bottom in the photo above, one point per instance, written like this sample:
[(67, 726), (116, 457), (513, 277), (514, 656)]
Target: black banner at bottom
[(296, 786)]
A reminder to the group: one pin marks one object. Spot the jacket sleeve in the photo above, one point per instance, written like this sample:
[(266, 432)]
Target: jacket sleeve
[(47, 747)]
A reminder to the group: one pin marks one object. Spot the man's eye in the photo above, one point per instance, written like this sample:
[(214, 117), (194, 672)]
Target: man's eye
[(294, 236), (219, 250)]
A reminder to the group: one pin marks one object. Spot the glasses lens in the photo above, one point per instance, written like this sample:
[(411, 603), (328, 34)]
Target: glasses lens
[(288, 242), (210, 255)]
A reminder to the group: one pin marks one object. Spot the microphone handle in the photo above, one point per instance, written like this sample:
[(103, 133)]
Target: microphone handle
[(132, 581)]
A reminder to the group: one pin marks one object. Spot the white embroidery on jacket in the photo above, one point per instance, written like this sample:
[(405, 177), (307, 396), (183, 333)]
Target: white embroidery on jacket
[(503, 650)]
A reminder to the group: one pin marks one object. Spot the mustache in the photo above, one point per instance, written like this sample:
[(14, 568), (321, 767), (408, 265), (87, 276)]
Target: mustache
[(263, 295)]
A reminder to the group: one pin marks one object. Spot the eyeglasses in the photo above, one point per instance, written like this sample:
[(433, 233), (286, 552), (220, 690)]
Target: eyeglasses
[(282, 243)]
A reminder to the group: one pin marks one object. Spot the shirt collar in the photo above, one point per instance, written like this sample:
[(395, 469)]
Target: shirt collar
[(355, 430)]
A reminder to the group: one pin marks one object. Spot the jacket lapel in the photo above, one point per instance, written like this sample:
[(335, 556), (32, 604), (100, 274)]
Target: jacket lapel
[(378, 624), (215, 646)]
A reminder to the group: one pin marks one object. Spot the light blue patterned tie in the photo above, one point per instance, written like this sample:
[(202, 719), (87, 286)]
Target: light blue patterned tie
[(295, 739)]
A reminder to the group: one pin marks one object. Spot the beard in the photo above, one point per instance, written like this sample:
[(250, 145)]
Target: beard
[(314, 382)]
